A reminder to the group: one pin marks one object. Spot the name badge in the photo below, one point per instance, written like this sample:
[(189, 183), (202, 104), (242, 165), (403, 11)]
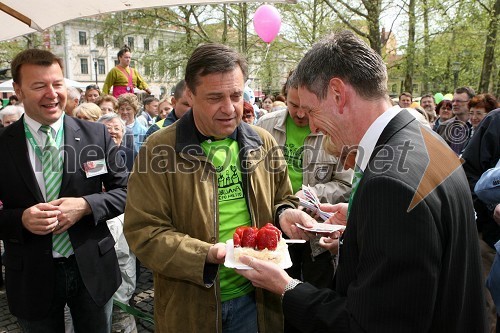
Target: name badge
[(95, 168)]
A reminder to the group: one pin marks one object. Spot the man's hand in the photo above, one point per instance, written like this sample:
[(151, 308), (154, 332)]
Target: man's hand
[(71, 211), (287, 223), (266, 275), (216, 254), (340, 210), (41, 219), (496, 214), (148, 91), (330, 243)]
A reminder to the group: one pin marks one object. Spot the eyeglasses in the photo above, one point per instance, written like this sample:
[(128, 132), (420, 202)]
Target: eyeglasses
[(248, 116), (92, 87), (446, 108), (103, 108), (459, 101)]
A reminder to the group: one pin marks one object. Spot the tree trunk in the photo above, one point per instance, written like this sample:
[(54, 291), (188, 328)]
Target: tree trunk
[(410, 53), (489, 50), (373, 9), (427, 48)]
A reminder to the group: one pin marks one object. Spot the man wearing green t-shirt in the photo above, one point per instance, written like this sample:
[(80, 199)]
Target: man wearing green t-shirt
[(308, 164), (193, 183)]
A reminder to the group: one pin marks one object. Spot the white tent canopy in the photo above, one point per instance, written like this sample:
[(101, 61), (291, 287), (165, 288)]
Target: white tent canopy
[(7, 85), (20, 17)]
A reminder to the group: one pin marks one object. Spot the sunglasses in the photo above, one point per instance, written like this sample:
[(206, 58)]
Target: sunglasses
[(92, 87)]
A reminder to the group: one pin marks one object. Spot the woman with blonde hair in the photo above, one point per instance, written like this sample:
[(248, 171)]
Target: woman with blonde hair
[(87, 111)]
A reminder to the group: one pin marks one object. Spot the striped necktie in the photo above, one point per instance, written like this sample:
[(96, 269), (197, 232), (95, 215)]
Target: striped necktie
[(52, 164), (358, 174)]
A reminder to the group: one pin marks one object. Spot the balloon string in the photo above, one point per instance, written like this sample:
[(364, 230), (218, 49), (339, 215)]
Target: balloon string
[(265, 57)]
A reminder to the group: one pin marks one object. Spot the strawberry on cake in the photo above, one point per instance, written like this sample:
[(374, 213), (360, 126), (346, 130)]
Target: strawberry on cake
[(265, 243)]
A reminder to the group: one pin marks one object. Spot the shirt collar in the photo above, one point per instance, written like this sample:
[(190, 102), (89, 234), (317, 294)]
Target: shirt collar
[(34, 125), (369, 140), (204, 138)]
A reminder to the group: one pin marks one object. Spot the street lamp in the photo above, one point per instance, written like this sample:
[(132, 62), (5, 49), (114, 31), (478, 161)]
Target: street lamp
[(455, 67), (94, 53)]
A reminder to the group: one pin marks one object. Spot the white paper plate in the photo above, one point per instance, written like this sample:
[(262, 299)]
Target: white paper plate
[(322, 227), (286, 262)]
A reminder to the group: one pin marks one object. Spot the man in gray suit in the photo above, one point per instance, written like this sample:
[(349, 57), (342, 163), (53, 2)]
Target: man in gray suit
[(409, 259)]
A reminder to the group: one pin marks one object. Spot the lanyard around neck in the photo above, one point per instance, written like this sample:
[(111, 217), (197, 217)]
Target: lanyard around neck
[(34, 144)]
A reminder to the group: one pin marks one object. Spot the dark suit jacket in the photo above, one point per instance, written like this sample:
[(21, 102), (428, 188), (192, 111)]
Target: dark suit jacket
[(482, 153), (28, 257), (400, 270)]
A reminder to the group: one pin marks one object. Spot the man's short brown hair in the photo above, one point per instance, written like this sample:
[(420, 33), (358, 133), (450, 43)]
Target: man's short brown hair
[(32, 57)]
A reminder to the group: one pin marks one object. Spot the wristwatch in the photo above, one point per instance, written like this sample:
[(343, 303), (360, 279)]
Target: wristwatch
[(291, 285)]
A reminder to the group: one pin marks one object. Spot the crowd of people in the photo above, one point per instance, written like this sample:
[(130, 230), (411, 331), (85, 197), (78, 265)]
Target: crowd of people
[(101, 180)]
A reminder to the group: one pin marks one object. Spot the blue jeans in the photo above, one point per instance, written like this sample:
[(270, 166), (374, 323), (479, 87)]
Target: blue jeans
[(69, 289), (239, 315)]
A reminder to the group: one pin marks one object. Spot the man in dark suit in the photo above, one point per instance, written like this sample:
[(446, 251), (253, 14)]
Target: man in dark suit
[(71, 207), (410, 257)]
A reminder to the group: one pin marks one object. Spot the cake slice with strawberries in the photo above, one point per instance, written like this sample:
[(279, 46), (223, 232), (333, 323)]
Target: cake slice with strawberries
[(265, 243)]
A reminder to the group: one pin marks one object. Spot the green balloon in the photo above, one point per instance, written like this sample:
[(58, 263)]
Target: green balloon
[(438, 97)]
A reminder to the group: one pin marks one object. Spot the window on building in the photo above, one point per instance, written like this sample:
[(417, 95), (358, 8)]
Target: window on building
[(58, 37), (394, 88), (99, 40), (117, 62), (82, 37), (146, 44), (117, 43), (160, 45), (132, 63), (101, 66), (84, 65), (130, 43), (147, 68)]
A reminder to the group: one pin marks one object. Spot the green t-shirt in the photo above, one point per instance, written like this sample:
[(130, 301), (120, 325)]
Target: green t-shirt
[(294, 150), (233, 210)]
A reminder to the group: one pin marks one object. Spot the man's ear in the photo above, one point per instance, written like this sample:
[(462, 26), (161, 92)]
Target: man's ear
[(338, 90), (189, 95), (18, 91)]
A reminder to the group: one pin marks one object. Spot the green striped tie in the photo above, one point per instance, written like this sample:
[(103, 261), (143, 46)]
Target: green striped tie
[(358, 174), (52, 174)]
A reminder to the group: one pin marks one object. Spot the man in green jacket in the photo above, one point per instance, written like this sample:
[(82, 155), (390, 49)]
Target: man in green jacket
[(193, 183)]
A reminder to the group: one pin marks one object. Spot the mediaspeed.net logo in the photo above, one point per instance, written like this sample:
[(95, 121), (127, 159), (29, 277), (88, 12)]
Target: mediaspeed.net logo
[(442, 164)]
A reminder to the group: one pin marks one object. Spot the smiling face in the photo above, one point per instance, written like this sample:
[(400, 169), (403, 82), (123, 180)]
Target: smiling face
[(476, 115), (42, 91), (324, 117), (218, 103), (115, 129)]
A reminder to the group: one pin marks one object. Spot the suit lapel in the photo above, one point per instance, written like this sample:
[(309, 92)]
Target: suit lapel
[(19, 151), (72, 147)]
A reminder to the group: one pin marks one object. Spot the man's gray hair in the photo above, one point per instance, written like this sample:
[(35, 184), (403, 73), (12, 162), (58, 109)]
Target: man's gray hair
[(73, 93), (345, 56), (105, 118), (12, 110)]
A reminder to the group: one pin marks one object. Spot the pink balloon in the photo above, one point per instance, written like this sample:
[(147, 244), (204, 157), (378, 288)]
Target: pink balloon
[(267, 22)]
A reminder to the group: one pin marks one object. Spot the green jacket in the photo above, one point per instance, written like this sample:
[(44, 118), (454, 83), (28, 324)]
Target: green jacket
[(171, 220)]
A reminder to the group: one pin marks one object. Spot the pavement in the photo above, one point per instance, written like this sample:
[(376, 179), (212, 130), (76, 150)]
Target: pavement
[(142, 300)]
